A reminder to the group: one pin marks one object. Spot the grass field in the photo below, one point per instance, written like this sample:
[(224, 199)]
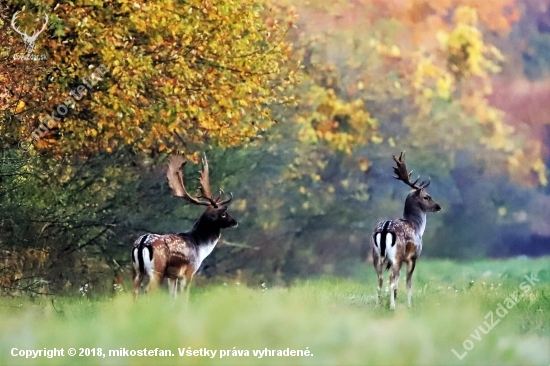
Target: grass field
[(331, 320)]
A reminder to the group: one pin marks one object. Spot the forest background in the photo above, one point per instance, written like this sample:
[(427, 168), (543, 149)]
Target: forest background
[(298, 105)]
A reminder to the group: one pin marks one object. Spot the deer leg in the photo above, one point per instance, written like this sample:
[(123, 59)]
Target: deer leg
[(182, 284), (378, 267), (150, 281), (394, 281), (188, 280), (137, 284), (410, 269), (173, 286), (392, 287), (141, 284)]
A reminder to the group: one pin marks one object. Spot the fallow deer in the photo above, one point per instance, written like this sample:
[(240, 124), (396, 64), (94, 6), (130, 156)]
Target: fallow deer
[(177, 257), (400, 241)]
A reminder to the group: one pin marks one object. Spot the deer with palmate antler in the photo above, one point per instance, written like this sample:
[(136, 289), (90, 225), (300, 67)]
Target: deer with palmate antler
[(177, 257), (400, 241), (29, 40)]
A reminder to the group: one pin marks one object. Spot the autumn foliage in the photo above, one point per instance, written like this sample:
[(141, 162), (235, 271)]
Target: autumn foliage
[(185, 74), (180, 73), (429, 64), (298, 104)]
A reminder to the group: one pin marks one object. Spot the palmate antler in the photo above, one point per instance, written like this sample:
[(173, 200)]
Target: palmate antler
[(403, 175), (175, 181)]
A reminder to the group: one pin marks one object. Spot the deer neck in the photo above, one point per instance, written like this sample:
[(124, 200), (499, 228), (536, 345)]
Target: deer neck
[(413, 214), (205, 233)]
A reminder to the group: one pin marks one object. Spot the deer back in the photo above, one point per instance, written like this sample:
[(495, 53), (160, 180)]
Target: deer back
[(396, 239), (169, 255)]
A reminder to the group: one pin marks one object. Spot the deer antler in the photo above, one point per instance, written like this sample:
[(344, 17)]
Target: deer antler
[(25, 35), (205, 180), (403, 175), (205, 187), (36, 33), (220, 198), (175, 180), (15, 28)]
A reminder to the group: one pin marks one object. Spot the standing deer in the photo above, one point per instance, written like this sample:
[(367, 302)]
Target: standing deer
[(177, 257), (398, 241)]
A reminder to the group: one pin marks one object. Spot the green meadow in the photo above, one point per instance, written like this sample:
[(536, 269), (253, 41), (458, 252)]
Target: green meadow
[(324, 320)]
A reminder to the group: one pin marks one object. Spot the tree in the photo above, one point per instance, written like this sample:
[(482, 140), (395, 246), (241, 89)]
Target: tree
[(376, 67), (22, 85), (189, 72)]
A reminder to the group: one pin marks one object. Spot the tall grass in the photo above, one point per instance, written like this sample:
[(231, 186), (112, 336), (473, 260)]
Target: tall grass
[(333, 318)]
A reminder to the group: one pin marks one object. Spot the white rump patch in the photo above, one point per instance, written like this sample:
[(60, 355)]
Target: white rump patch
[(389, 240), (377, 241), (147, 263), (390, 250), (135, 258)]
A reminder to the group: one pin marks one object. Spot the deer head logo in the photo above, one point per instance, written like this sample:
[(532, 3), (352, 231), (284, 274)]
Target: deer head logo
[(29, 40)]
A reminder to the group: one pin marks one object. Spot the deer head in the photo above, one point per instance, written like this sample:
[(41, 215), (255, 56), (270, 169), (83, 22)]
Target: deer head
[(419, 197), (29, 40), (216, 207)]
